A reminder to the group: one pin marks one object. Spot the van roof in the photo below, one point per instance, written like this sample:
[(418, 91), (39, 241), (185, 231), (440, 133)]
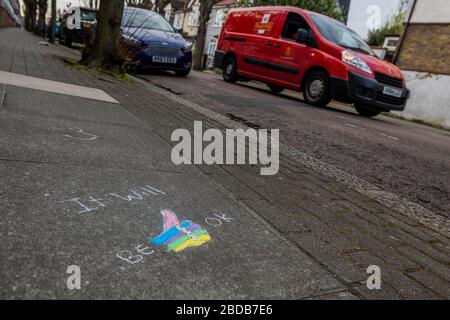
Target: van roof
[(281, 8), (284, 8)]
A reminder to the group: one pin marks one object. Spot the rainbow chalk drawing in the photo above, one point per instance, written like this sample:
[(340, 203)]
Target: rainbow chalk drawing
[(178, 236)]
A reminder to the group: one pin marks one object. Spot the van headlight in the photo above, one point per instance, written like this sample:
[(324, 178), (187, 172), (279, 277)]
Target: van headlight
[(349, 58)]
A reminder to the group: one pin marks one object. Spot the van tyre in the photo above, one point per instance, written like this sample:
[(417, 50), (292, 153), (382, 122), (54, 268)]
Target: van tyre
[(316, 90), (366, 112), (230, 70), (275, 89)]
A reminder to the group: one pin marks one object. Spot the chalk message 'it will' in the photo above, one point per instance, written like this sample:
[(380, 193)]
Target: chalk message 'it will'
[(90, 203)]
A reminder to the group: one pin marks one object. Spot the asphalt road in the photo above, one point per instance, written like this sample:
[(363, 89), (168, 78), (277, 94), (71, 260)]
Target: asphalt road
[(408, 159)]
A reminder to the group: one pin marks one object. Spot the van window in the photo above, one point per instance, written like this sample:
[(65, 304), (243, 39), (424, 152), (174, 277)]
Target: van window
[(293, 22), (339, 34)]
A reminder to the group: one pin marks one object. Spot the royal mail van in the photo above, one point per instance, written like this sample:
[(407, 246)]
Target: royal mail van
[(287, 47)]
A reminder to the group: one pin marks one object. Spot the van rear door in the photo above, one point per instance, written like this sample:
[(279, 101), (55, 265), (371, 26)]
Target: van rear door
[(255, 52)]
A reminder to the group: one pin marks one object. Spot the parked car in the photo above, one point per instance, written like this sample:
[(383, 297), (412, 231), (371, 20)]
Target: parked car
[(82, 36), (57, 28), (159, 45), (287, 47)]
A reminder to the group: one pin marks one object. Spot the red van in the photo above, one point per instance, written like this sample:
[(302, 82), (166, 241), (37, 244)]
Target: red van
[(287, 47)]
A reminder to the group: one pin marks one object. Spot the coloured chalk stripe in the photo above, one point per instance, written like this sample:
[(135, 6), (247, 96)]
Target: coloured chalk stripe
[(180, 236)]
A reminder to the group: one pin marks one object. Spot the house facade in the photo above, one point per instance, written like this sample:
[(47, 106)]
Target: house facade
[(216, 20), (424, 57), (184, 15)]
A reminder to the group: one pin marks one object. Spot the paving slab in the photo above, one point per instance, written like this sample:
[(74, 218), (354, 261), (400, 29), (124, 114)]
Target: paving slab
[(44, 231)]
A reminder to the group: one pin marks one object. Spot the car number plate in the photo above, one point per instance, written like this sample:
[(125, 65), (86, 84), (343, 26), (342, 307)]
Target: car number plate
[(393, 92), (164, 59)]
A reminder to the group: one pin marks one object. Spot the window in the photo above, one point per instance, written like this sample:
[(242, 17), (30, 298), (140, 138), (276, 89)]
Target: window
[(194, 16), (178, 22), (220, 17), (212, 47), (293, 23), (339, 34), (167, 14)]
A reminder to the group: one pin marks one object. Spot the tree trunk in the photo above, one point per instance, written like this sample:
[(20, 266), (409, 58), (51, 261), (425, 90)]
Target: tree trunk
[(41, 23), (104, 51), (205, 11), (30, 14), (53, 22)]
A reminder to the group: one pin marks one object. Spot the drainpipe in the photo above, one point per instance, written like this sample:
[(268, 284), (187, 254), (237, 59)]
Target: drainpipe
[(402, 38)]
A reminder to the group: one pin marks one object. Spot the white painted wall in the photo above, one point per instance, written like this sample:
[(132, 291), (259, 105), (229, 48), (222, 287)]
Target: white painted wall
[(430, 98), (436, 11)]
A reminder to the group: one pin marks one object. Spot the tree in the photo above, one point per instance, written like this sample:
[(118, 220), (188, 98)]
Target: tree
[(30, 14), (104, 51), (205, 11), (326, 7), (53, 22), (41, 22), (392, 27)]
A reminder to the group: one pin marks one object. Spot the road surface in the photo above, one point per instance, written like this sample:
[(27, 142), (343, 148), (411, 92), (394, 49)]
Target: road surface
[(408, 159)]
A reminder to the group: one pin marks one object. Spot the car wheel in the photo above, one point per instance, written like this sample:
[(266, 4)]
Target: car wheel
[(366, 112), (275, 89), (230, 70), (182, 73), (316, 90)]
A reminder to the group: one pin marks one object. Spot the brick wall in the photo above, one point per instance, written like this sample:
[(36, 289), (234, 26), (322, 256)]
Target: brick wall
[(5, 18), (426, 48)]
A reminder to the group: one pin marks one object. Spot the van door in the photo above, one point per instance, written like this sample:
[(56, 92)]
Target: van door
[(291, 59), (256, 51)]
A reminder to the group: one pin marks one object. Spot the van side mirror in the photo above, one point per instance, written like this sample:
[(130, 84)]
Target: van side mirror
[(302, 35)]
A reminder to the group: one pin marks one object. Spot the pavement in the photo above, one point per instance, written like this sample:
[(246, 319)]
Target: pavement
[(83, 181)]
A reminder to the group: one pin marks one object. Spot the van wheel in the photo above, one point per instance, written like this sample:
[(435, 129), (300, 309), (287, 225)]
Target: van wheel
[(366, 112), (230, 70), (316, 90), (275, 89)]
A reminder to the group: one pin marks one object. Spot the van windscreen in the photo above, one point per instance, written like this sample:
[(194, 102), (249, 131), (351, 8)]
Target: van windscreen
[(339, 34)]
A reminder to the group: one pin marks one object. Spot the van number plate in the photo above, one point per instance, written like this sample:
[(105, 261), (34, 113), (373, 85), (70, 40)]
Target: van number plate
[(164, 59), (393, 92)]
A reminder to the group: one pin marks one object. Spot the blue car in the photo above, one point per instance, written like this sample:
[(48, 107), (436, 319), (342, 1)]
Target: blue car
[(156, 44)]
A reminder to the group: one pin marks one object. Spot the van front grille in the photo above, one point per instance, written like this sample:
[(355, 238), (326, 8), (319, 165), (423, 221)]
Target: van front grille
[(388, 80)]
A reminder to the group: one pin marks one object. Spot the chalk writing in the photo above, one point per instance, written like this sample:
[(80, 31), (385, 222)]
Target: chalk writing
[(132, 258), (91, 203), (176, 235), (217, 219), (78, 134)]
